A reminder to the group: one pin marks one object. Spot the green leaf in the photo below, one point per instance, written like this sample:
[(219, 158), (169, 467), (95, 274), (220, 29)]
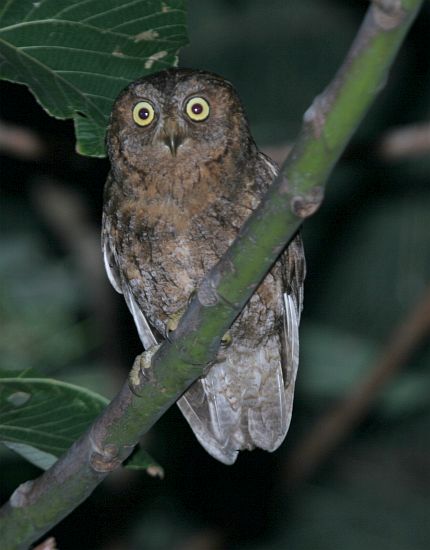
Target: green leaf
[(141, 460), (40, 418), (77, 55), (35, 456), (43, 413)]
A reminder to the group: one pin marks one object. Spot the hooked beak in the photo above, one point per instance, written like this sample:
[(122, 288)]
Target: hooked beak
[(172, 136)]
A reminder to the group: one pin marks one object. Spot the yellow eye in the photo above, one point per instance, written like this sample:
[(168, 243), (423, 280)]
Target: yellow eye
[(143, 113), (197, 109)]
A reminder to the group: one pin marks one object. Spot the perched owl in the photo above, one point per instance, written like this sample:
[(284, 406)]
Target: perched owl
[(185, 175)]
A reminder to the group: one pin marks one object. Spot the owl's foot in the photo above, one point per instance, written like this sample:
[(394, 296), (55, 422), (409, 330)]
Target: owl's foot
[(226, 340), (173, 322), (142, 363)]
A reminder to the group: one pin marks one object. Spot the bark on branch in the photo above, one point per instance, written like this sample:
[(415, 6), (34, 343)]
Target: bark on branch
[(295, 195)]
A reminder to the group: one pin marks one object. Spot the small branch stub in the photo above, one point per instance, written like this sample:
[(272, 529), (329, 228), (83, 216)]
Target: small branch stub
[(306, 205), (19, 497), (106, 459), (207, 293), (388, 14), (315, 115)]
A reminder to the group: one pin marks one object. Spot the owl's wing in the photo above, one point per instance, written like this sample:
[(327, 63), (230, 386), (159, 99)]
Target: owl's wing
[(122, 286), (294, 271), (215, 405), (211, 416), (246, 400)]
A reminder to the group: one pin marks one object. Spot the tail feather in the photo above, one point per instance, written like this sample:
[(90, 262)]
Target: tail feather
[(241, 404)]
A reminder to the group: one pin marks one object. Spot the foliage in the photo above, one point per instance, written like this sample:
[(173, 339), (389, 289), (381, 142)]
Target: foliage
[(54, 48), (40, 418), (77, 56)]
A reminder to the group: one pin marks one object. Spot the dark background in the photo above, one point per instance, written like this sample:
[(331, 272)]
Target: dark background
[(368, 254)]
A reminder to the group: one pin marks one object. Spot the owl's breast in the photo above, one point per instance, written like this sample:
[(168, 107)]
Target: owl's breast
[(171, 226), (163, 273), (164, 256), (170, 194)]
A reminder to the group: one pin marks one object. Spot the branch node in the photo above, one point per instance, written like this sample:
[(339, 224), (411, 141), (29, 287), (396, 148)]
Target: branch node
[(207, 293), (100, 464), (19, 498), (315, 115), (109, 457), (306, 205), (388, 14), (105, 458)]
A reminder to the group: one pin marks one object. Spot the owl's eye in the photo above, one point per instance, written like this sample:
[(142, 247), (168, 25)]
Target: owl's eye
[(197, 109), (143, 113)]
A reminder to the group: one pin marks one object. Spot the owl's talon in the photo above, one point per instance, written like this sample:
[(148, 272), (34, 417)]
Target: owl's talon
[(173, 321), (226, 340), (172, 325), (141, 363)]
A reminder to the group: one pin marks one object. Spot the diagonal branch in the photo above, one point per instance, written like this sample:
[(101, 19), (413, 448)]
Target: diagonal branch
[(295, 194)]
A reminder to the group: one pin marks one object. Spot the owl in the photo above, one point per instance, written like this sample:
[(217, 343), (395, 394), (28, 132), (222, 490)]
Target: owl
[(185, 175)]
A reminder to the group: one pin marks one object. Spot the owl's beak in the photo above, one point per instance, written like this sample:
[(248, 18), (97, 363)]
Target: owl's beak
[(172, 136)]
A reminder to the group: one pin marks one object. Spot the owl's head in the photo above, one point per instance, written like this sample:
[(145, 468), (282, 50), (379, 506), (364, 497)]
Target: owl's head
[(175, 116)]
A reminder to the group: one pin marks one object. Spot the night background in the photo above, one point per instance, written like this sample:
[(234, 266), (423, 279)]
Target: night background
[(368, 262)]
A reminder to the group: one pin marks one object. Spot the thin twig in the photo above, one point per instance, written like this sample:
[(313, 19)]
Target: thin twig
[(406, 142), (21, 142), (336, 424)]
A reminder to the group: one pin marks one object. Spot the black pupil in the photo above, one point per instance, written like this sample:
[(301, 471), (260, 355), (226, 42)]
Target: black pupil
[(197, 108), (144, 113)]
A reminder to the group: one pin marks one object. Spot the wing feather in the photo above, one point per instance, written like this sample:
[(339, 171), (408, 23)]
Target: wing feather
[(205, 421), (109, 258), (122, 286)]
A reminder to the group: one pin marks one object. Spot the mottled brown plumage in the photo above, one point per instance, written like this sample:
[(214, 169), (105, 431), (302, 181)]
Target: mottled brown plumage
[(185, 175)]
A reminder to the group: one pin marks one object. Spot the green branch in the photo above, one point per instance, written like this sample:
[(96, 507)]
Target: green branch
[(296, 194)]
